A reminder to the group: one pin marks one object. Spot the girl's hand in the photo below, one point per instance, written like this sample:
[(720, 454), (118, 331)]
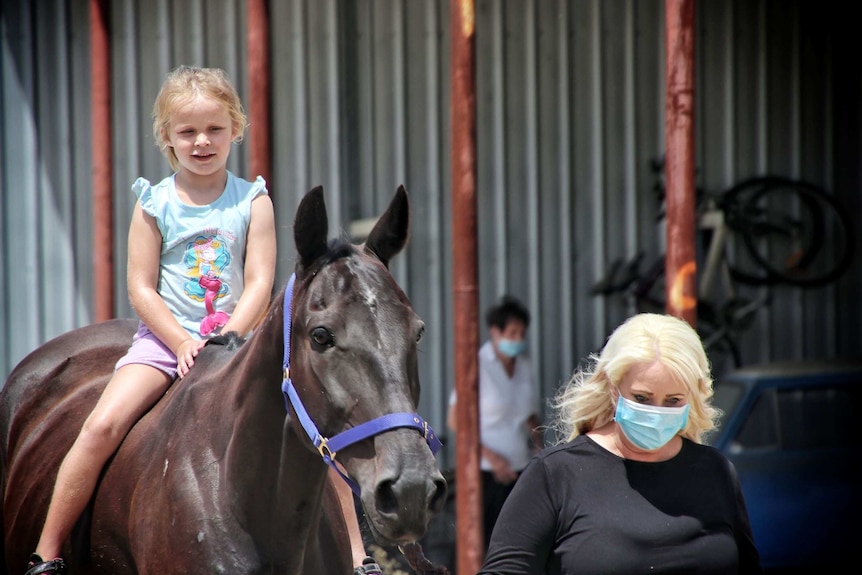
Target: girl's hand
[(186, 354)]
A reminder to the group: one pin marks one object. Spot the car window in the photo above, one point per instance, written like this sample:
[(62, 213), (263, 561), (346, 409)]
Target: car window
[(760, 428), (817, 417), (727, 395), (799, 418)]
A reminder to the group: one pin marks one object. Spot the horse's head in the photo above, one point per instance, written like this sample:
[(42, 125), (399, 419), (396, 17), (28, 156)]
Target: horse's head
[(354, 359)]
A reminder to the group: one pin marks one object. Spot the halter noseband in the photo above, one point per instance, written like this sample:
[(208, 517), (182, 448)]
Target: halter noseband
[(328, 447)]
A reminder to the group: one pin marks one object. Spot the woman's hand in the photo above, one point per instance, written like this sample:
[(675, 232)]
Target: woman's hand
[(186, 354), (500, 467)]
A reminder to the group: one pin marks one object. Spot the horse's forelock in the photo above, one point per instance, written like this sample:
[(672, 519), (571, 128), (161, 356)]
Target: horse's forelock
[(337, 249)]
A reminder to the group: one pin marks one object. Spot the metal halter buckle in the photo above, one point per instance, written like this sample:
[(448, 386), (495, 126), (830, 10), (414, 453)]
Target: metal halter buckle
[(324, 450)]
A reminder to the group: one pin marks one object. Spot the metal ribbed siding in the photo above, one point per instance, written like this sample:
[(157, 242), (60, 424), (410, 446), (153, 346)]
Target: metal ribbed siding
[(44, 222), (569, 113), (361, 107)]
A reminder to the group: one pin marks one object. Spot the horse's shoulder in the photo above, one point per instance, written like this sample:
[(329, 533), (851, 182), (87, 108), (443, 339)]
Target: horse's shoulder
[(185, 419)]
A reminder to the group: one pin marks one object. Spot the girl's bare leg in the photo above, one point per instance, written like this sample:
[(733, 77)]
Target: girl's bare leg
[(133, 389)]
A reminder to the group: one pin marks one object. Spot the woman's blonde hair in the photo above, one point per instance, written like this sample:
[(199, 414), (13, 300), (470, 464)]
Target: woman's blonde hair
[(184, 84), (588, 401)]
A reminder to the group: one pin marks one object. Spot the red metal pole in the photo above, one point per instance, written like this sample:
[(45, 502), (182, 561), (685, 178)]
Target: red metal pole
[(102, 169), (680, 264), (468, 502), (259, 96)]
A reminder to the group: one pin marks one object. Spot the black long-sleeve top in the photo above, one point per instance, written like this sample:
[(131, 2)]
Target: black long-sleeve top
[(578, 508)]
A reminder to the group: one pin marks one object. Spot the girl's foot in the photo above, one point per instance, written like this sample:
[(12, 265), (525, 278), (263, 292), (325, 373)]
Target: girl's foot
[(368, 567), (38, 566)]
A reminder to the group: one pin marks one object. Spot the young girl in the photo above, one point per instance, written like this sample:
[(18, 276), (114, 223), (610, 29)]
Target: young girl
[(201, 261)]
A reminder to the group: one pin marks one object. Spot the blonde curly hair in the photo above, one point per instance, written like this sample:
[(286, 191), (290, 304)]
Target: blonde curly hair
[(587, 401), (184, 84)]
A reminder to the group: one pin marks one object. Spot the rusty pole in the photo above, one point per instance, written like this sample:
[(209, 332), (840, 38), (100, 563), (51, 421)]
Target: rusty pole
[(102, 167), (680, 264), (259, 96), (468, 502)]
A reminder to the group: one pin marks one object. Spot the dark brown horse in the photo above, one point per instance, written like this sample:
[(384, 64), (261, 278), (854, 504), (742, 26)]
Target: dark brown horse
[(219, 477)]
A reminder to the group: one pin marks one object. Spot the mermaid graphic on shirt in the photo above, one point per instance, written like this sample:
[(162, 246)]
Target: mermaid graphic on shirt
[(206, 258)]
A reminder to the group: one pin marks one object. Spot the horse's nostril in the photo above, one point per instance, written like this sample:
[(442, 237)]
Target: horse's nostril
[(438, 498), (387, 502)]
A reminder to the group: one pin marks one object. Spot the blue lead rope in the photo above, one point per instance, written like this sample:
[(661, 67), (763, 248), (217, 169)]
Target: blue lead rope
[(328, 447)]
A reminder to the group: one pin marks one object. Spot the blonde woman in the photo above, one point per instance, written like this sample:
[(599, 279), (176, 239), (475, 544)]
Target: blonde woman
[(631, 489)]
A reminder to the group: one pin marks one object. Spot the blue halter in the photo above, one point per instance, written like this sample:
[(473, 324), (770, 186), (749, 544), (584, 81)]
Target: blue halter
[(328, 447)]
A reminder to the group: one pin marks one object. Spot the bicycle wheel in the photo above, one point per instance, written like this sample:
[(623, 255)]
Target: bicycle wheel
[(743, 268), (794, 230)]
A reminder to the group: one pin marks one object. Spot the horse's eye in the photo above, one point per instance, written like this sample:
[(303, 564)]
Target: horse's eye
[(420, 334), (322, 337)]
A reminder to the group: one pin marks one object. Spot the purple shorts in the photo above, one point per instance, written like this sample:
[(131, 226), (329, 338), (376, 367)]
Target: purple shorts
[(147, 349)]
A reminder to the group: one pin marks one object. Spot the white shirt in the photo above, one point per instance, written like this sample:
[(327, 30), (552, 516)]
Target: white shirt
[(505, 405)]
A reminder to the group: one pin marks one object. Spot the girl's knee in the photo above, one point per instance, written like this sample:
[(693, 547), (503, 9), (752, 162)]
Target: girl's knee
[(102, 431)]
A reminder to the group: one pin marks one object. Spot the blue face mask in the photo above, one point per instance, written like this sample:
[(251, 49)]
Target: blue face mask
[(649, 426), (511, 347)]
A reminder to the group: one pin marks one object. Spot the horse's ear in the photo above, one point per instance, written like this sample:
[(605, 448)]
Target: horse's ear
[(390, 232), (310, 228)]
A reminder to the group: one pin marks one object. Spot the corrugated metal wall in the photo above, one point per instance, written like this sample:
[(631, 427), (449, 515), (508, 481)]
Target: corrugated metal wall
[(570, 113), (45, 277)]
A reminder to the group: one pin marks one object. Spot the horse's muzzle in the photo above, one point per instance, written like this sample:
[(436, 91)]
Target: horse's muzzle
[(408, 492)]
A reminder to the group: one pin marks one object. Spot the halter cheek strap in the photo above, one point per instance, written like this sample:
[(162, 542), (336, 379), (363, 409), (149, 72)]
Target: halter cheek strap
[(328, 447)]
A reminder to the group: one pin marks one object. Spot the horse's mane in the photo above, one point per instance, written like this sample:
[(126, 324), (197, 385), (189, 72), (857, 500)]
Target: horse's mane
[(231, 340)]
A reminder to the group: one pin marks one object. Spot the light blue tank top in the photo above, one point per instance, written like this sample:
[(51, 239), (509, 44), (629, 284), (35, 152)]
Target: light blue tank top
[(203, 249)]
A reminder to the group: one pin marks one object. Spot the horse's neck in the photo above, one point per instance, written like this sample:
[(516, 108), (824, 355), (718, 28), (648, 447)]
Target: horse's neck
[(276, 480), (253, 400), (302, 478)]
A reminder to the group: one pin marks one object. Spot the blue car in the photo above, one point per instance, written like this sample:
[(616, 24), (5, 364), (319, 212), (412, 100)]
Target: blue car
[(794, 430)]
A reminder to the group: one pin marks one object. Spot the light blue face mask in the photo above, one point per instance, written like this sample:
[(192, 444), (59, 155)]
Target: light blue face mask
[(649, 426), (511, 347)]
